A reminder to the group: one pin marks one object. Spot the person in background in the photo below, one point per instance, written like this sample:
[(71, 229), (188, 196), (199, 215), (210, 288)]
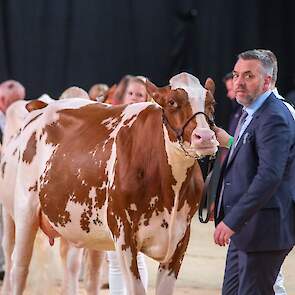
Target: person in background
[(291, 94), (255, 206), (236, 108), (279, 287), (97, 91), (274, 77), (10, 91), (131, 89)]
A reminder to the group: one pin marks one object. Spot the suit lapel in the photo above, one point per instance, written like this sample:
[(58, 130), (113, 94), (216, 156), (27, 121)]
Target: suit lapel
[(250, 127)]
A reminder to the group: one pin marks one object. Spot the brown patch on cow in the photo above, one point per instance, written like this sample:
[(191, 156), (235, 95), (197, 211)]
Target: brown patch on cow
[(164, 224), (3, 168), (34, 187), (78, 165), (191, 191), (14, 152), (142, 173), (30, 150)]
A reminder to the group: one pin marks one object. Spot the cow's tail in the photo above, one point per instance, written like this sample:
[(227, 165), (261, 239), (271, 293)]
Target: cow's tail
[(44, 273)]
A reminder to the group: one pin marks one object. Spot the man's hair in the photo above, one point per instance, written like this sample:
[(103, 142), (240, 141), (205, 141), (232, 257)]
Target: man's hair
[(265, 60), (274, 60), (227, 77)]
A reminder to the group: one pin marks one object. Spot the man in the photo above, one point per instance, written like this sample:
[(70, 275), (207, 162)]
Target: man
[(254, 209)]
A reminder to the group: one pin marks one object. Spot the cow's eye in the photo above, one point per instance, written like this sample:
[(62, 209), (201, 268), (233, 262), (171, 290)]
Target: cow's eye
[(172, 103)]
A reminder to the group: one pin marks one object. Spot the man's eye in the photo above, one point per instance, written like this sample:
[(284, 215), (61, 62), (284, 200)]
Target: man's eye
[(249, 76)]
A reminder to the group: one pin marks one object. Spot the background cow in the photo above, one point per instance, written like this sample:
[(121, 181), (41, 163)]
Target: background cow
[(107, 177), (71, 257)]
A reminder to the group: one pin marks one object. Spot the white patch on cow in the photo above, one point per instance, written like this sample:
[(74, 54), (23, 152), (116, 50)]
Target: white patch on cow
[(92, 193), (110, 165), (103, 186), (152, 238), (178, 162), (99, 236), (83, 182), (160, 242), (128, 217), (109, 122), (153, 201), (165, 282), (133, 207), (196, 94), (195, 91)]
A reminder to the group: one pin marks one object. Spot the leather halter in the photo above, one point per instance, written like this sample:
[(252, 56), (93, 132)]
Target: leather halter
[(179, 131)]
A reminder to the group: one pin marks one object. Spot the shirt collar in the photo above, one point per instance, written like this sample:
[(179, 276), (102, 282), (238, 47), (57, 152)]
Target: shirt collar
[(257, 103)]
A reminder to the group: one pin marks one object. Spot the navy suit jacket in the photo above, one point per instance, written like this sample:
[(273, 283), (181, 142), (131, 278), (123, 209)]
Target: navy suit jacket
[(259, 182)]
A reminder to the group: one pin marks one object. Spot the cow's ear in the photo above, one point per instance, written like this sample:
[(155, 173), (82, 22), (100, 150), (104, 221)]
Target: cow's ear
[(35, 105), (210, 85), (153, 92)]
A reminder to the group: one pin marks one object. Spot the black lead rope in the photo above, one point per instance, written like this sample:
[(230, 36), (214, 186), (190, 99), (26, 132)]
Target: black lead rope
[(208, 195), (179, 131), (210, 187)]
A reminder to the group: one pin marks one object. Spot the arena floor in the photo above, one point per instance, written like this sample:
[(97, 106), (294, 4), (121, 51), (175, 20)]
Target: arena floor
[(202, 269)]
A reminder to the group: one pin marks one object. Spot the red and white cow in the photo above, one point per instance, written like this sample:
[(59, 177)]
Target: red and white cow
[(106, 177), (71, 256)]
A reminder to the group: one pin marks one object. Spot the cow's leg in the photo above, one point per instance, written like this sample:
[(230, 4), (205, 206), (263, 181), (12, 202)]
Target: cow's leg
[(26, 226), (127, 257), (93, 265), (8, 245), (168, 272), (71, 260)]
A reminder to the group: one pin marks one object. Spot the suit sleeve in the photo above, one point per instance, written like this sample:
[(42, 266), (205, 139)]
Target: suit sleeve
[(273, 142)]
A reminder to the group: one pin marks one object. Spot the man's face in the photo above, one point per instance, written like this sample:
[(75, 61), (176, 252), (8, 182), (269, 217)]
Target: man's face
[(249, 81), (230, 89)]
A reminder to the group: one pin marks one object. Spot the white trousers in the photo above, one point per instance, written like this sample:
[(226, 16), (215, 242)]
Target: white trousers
[(116, 280), (1, 238)]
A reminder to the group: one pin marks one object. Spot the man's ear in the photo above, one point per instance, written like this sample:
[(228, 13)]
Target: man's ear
[(267, 83)]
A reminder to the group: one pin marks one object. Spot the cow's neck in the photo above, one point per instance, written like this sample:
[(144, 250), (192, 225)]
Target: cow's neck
[(180, 165), (179, 162)]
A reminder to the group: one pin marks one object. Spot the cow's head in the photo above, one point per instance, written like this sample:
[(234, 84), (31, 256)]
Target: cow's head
[(187, 112)]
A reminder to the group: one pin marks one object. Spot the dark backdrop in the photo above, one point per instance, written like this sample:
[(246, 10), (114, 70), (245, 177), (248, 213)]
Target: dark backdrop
[(50, 45)]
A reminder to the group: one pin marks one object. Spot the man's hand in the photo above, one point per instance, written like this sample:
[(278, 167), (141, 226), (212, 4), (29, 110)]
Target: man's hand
[(222, 234), (222, 136)]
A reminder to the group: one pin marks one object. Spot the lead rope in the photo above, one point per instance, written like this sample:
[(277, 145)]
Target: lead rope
[(209, 190)]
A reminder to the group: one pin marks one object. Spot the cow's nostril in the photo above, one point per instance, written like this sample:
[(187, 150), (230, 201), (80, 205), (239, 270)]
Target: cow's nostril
[(198, 136)]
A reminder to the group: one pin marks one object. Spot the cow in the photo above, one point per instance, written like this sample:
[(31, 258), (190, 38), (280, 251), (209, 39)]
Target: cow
[(110, 177), (70, 256)]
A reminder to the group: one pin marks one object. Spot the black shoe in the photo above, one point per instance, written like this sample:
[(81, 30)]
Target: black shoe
[(2, 273)]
